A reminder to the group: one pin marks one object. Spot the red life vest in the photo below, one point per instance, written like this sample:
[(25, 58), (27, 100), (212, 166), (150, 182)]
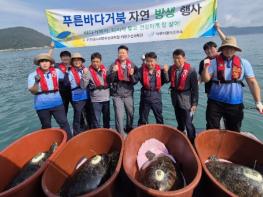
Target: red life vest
[(236, 68), (146, 81), (62, 67), (95, 76), (120, 70), (76, 74), (43, 82), (182, 80)]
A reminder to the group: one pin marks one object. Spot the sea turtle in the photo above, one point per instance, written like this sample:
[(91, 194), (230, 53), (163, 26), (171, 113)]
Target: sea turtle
[(161, 173), (240, 180), (32, 166), (90, 175)]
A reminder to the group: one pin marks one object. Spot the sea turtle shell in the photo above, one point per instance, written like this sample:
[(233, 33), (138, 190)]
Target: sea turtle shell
[(160, 173), (240, 180), (90, 175), (32, 166)]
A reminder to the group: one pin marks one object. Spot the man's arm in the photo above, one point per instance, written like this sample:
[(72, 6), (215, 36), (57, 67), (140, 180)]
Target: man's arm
[(255, 91), (194, 90), (112, 72), (254, 88), (51, 49), (33, 83), (166, 71), (219, 31), (206, 76), (201, 68)]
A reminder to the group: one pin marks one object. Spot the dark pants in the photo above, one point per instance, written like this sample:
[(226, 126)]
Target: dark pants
[(232, 115), (104, 108), (82, 109), (145, 107), (185, 120), (66, 98), (60, 116)]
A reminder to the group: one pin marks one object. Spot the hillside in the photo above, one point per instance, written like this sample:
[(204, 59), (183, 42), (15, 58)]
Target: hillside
[(22, 37), (242, 30)]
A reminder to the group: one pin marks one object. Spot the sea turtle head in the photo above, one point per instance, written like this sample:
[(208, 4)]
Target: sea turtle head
[(213, 158), (53, 147), (150, 155)]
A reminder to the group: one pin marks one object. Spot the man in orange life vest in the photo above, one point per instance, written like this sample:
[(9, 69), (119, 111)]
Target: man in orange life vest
[(80, 97), (225, 98), (43, 83), (95, 79), (64, 66), (211, 52), (184, 92), (120, 76), (151, 77)]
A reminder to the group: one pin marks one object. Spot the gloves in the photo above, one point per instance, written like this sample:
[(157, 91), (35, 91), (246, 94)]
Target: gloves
[(37, 78), (259, 107), (207, 63)]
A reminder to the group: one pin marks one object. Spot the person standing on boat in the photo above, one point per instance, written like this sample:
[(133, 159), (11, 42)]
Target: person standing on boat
[(225, 98), (120, 75), (151, 77), (210, 49), (95, 79), (64, 85), (43, 83), (184, 92), (80, 97)]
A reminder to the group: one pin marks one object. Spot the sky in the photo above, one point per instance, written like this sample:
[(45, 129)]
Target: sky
[(31, 13)]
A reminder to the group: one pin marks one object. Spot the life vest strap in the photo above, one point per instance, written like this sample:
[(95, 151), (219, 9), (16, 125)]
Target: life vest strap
[(47, 92), (76, 88), (218, 82)]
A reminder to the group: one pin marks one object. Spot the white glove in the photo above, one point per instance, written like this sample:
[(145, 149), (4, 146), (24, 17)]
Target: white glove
[(259, 107)]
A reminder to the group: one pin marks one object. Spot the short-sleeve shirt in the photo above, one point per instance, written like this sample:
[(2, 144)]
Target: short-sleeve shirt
[(78, 94), (231, 93), (50, 100)]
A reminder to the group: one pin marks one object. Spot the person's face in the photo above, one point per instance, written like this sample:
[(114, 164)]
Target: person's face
[(77, 62), (65, 59), (96, 62), (150, 62), (44, 64), (211, 52), (179, 60), (123, 54), (228, 52)]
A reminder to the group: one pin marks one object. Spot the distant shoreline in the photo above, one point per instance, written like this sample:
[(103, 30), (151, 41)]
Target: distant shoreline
[(24, 49)]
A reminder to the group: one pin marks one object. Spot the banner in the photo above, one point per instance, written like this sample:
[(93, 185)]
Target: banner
[(181, 19)]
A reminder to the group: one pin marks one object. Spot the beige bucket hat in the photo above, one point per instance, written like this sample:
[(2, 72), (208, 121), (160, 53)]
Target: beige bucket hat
[(77, 55), (43, 56), (229, 41)]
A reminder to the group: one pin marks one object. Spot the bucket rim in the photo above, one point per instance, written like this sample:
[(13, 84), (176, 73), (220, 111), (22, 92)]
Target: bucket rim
[(38, 173), (220, 132), (188, 187), (105, 184)]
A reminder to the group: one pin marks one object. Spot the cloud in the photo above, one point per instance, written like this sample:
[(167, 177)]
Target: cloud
[(17, 8), (240, 13)]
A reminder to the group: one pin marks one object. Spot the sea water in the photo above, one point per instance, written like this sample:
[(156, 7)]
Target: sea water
[(18, 117)]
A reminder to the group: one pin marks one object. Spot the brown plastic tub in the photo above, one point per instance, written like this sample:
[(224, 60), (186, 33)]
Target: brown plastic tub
[(89, 143), (227, 145), (16, 155), (177, 144)]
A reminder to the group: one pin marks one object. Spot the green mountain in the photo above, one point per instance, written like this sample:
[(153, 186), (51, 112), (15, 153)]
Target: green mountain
[(22, 37), (242, 30)]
